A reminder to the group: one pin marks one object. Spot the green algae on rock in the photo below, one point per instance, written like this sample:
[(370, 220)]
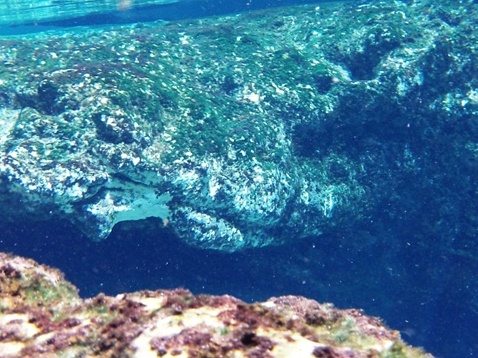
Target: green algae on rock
[(245, 130), (176, 323)]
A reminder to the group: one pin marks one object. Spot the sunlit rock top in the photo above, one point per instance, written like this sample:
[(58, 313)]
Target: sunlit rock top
[(41, 315), (33, 11)]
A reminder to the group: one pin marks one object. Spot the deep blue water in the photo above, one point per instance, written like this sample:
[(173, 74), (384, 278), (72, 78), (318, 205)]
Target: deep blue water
[(411, 289), (419, 291)]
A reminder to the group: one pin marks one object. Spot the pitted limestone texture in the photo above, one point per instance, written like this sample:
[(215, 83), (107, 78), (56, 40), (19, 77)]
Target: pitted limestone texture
[(41, 315), (246, 130)]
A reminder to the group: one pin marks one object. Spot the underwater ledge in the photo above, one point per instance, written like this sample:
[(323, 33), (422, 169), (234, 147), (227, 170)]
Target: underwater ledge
[(248, 130), (43, 316)]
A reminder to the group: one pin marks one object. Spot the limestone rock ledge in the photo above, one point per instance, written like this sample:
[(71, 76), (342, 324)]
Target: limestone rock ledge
[(249, 130), (41, 315)]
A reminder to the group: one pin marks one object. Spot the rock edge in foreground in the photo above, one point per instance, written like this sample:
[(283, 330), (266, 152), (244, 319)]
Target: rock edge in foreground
[(41, 315)]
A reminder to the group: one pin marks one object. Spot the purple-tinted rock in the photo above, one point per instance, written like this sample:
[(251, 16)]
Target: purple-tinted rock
[(41, 315)]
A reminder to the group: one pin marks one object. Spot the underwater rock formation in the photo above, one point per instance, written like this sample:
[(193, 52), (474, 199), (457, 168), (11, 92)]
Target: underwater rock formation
[(247, 130), (41, 315)]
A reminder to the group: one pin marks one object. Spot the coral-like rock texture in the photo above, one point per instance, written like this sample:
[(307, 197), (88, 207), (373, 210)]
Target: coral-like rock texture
[(248, 130), (41, 315)]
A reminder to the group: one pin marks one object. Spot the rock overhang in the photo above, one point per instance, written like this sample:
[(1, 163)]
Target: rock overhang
[(236, 137)]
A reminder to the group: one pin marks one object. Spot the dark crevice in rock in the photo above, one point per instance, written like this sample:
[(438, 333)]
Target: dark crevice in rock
[(48, 93)]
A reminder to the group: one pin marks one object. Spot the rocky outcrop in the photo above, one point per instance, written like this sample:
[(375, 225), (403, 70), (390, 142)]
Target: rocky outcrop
[(248, 130), (41, 315)]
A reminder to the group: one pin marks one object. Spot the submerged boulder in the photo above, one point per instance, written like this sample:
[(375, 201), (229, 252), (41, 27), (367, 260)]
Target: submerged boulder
[(247, 130), (41, 315)]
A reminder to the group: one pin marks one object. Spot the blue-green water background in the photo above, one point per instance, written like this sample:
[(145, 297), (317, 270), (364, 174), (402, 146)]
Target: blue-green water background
[(416, 291)]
